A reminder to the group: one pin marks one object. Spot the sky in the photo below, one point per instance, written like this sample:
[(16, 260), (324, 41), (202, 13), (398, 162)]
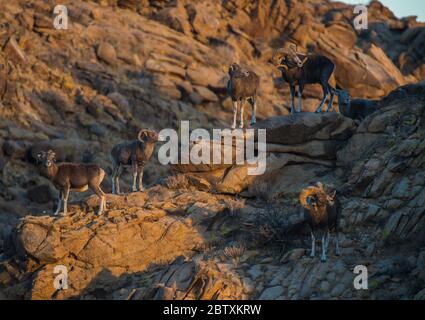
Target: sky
[(401, 8)]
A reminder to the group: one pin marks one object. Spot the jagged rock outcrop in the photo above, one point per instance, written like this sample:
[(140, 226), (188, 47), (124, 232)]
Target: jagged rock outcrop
[(297, 146), (124, 65)]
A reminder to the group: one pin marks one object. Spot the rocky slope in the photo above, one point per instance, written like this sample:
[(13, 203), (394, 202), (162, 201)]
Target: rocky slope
[(208, 233)]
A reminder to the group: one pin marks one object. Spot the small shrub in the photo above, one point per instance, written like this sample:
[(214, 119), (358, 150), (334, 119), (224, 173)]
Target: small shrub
[(178, 181), (235, 253)]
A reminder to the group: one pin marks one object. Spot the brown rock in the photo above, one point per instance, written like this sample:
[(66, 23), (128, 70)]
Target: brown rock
[(14, 52), (107, 53)]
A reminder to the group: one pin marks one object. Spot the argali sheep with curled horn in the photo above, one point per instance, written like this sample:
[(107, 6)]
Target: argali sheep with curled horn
[(322, 212), (300, 69), (135, 153), (242, 85), (68, 177)]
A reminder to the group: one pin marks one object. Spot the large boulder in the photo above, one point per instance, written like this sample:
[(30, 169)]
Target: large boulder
[(304, 127), (298, 146)]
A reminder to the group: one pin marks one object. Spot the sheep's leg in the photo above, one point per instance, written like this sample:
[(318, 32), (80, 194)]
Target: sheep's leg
[(337, 249), (140, 182), (331, 100), (101, 195), (323, 257), (65, 198), (313, 245), (58, 208), (254, 110), (325, 96), (300, 94), (327, 239), (235, 113), (135, 167), (292, 89), (114, 179), (241, 111), (117, 181)]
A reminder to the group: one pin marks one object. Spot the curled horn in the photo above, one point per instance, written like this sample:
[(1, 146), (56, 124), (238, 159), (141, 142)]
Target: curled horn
[(292, 48), (139, 135), (277, 55), (51, 154)]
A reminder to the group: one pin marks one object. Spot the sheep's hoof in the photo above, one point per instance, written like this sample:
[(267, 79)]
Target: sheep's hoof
[(322, 259), (338, 253)]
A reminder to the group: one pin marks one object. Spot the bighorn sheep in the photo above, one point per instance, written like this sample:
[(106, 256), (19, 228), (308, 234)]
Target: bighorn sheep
[(72, 177), (243, 85), (356, 109), (322, 212), (136, 153), (300, 69)]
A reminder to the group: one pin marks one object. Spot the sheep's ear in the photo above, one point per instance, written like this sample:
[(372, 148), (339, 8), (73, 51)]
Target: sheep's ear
[(319, 185), (333, 195)]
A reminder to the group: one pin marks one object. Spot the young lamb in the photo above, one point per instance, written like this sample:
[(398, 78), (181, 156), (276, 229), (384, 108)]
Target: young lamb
[(135, 153), (322, 212), (299, 69), (243, 85), (356, 109), (68, 177)]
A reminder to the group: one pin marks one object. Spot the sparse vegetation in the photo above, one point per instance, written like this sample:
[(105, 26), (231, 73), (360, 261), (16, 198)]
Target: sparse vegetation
[(178, 181), (270, 226), (235, 253)]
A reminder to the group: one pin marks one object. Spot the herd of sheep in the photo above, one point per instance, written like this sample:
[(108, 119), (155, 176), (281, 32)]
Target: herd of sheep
[(322, 209)]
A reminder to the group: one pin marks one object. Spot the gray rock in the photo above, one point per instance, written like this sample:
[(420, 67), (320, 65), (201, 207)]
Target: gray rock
[(338, 290), (271, 293), (325, 286), (255, 272)]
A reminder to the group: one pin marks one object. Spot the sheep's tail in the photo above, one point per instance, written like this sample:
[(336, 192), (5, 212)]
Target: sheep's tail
[(309, 191)]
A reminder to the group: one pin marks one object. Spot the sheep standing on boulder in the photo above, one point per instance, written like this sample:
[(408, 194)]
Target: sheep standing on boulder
[(68, 177), (299, 69), (322, 212), (243, 85), (135, 153)]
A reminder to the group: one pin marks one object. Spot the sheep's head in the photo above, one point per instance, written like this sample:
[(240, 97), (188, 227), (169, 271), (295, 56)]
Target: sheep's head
[(233, 69), (148, 135), (288, 57), (343, 97), (316, 197), (47, 159)]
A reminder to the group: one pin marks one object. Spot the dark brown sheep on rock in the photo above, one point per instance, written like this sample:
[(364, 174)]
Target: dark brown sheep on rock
[(300, 69), (322, 211), (243, 85), (135, 153)]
